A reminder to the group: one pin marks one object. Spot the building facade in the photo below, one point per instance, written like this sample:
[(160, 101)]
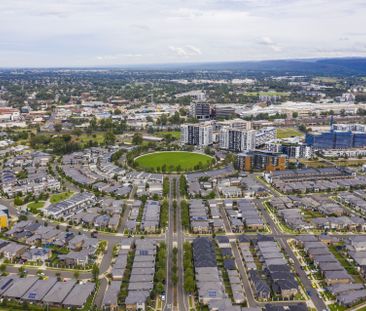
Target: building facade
[(292, 150), (260, 160), (200, 134), (237, 140), (201, 111), (264, 135), (340, 136)]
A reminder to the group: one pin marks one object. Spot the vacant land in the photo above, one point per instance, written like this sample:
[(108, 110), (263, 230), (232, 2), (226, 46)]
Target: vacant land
[(288, 132), (174, 161), (58, 197)]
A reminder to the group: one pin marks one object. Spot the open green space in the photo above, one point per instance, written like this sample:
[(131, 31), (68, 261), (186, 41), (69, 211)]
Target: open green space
[(35, 206), (285, 132), (85, 138), (174, 134), (336, 307), (58, 197), (174, 161)]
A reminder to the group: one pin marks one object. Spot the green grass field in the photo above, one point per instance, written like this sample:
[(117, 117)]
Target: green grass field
[(175, 134), (84, 138), (288, 132), (35, 206), (58, 197), (173, 161)]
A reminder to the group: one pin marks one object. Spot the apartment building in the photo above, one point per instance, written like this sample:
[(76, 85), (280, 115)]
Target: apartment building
[(200, 134)]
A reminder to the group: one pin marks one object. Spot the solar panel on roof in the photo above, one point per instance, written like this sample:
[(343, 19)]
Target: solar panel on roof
[(6, 284), (32, 295)]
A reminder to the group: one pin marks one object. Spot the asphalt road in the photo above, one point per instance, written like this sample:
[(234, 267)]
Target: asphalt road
[(169, 287), (182, 296)]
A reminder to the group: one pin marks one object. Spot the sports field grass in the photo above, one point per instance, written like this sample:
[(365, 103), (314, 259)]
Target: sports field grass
[(170, 161), (288, 132)]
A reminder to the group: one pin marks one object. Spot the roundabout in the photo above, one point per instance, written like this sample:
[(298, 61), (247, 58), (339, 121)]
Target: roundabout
[(173, 161)]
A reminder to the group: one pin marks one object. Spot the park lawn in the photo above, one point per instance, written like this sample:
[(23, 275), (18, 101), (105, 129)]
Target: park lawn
[(34, 206), (58, 197), (175, 134), (85, 138), (288, 132), (336, 307), (172, 159)]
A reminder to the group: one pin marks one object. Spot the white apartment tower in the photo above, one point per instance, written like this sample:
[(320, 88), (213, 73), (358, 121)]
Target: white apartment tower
[(237, 140), (200, 134)]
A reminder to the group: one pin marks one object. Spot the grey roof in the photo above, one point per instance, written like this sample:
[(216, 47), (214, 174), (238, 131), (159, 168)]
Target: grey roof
[(20, 287), (203, 253), (6, 282), (352, 297), (79, 294), (40, 289), (337, 275), (135, 297), (58, 292), (111, 294)]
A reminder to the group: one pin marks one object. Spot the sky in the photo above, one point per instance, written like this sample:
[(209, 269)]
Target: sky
[(62, 33)]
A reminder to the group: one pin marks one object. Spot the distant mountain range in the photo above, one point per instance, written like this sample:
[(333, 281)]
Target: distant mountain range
[(329, 66)]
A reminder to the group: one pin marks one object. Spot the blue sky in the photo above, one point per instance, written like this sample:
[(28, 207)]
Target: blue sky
[(116, 32)]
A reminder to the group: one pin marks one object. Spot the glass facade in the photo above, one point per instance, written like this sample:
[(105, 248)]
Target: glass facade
[(336, 140)]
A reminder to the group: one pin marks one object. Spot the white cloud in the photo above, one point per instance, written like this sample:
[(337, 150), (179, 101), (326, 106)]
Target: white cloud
[(186, 51), (267, 41), (86, 32)]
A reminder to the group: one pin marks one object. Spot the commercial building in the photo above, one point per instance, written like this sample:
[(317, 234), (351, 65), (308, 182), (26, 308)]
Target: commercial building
[(261, 160), (200, 134), (201, 111), (340, 136), (223, 112)]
